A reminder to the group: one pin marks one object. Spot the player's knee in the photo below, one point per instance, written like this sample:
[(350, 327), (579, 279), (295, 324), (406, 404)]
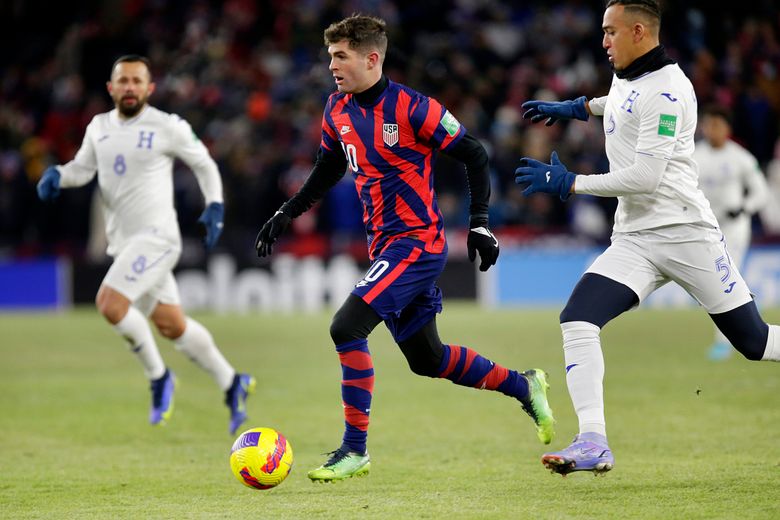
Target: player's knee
[(567, 314), (745, 329), (343, 330), (751, 348), (111, 309), (170, 327), (427, 367), (422, 355)]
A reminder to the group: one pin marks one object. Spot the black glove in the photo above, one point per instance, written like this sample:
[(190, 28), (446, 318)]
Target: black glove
[(270, 232), (734, 213), (481, 239)]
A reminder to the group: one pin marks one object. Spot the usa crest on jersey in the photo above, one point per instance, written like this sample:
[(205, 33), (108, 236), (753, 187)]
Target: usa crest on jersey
[(390, 134)]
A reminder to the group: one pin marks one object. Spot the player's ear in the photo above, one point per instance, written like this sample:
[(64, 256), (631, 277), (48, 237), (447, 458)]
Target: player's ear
[(152, 86), (373, 59), (109, 88), (639, 32)]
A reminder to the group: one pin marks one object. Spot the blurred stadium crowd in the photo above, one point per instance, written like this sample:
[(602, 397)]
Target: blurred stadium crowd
[(251, 77)]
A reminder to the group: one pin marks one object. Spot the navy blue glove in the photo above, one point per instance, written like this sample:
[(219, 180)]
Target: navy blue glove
[(270, 232), (49, 185), (481, 240), (213, 220), (545, 178), (555, 110)]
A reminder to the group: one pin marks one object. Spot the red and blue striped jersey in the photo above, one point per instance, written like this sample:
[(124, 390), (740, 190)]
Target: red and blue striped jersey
[(391, 147)]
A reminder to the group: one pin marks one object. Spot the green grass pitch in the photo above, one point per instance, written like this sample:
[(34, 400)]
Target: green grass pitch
[(692, 438)]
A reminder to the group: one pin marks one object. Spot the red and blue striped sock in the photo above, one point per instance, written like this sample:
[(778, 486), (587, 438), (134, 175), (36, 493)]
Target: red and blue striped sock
[(357, 384), (465, 367)]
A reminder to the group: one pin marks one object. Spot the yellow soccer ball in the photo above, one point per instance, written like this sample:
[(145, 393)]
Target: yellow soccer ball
[(261, 458)]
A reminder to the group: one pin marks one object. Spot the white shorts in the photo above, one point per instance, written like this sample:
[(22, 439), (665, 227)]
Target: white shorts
[(692, 255), (142, 272)]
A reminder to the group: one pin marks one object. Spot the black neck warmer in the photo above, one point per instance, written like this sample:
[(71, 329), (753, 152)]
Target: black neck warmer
[(370, 95), (649, 62)]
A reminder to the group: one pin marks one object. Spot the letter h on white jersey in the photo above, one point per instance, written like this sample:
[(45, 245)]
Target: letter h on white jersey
[(145, 139), (630, 101)]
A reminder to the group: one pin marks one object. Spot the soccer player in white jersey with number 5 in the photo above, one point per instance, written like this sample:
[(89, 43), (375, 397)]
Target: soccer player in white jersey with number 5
[(132, 149), (664, 228), (732, 181)]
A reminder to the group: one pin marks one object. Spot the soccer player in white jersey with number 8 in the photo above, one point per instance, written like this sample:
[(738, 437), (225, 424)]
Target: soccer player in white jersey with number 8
[(132, 149), (664, 228)]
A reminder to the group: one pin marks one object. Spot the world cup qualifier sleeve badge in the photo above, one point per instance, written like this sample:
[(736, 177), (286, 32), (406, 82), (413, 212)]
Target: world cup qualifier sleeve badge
[(667, 125), (390, 134)]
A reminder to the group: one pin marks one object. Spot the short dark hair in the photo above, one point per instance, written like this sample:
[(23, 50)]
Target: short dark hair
[(716, 110), (133, 58), (649, 9), (361, 31)]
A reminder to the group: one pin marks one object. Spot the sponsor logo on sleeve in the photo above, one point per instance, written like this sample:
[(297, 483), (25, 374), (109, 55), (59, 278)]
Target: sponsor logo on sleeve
[(450, 124), (667, 125)]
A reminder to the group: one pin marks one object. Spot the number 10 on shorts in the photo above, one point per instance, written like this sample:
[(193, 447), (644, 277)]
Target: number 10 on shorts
[(374, 273)]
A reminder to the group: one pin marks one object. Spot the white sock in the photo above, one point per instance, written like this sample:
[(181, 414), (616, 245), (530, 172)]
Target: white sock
[(772, 351), (135, 329), (585, 374), (199, 346)]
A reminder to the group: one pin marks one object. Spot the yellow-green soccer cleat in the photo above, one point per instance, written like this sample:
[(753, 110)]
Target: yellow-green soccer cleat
[(341, 464), (536, 405)]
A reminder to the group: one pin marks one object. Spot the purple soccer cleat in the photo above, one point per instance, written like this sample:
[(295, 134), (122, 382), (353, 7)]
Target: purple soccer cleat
[(162, 398), (235, 399), (588, 451)]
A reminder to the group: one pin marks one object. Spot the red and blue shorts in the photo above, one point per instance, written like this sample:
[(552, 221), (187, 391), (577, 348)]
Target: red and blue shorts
[(401, 286)]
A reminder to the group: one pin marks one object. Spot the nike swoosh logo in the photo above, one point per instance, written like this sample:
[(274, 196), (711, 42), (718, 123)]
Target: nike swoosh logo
[(482, 231), (570, 367), (547, 175)]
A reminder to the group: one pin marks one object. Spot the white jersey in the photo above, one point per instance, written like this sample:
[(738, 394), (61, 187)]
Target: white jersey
[(730, 178), (649, 123), (133, 159)]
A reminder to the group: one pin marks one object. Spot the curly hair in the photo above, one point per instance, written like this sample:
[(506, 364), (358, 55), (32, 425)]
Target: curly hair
[(363, 33)]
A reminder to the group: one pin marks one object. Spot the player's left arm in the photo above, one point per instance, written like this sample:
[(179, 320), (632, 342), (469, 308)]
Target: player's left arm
[(433, 124), (473, 155), (194, 153)]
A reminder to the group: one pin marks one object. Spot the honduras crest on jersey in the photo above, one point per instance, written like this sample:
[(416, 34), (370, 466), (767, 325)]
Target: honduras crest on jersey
[(390, 134)]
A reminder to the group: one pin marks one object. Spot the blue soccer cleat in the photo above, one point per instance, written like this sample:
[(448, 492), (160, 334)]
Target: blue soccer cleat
[(235, 399), (588, 451), (162, 398)]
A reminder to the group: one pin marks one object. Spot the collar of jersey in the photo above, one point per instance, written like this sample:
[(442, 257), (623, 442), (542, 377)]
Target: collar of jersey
[(649, 62), (371, 95), (132, 119)]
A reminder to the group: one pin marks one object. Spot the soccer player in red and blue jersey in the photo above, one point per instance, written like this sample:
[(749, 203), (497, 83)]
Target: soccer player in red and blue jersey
[(387, 135)]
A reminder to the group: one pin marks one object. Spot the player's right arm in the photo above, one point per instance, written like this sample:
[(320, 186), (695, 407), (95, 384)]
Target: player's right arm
[(77, 172), (329, 168)]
